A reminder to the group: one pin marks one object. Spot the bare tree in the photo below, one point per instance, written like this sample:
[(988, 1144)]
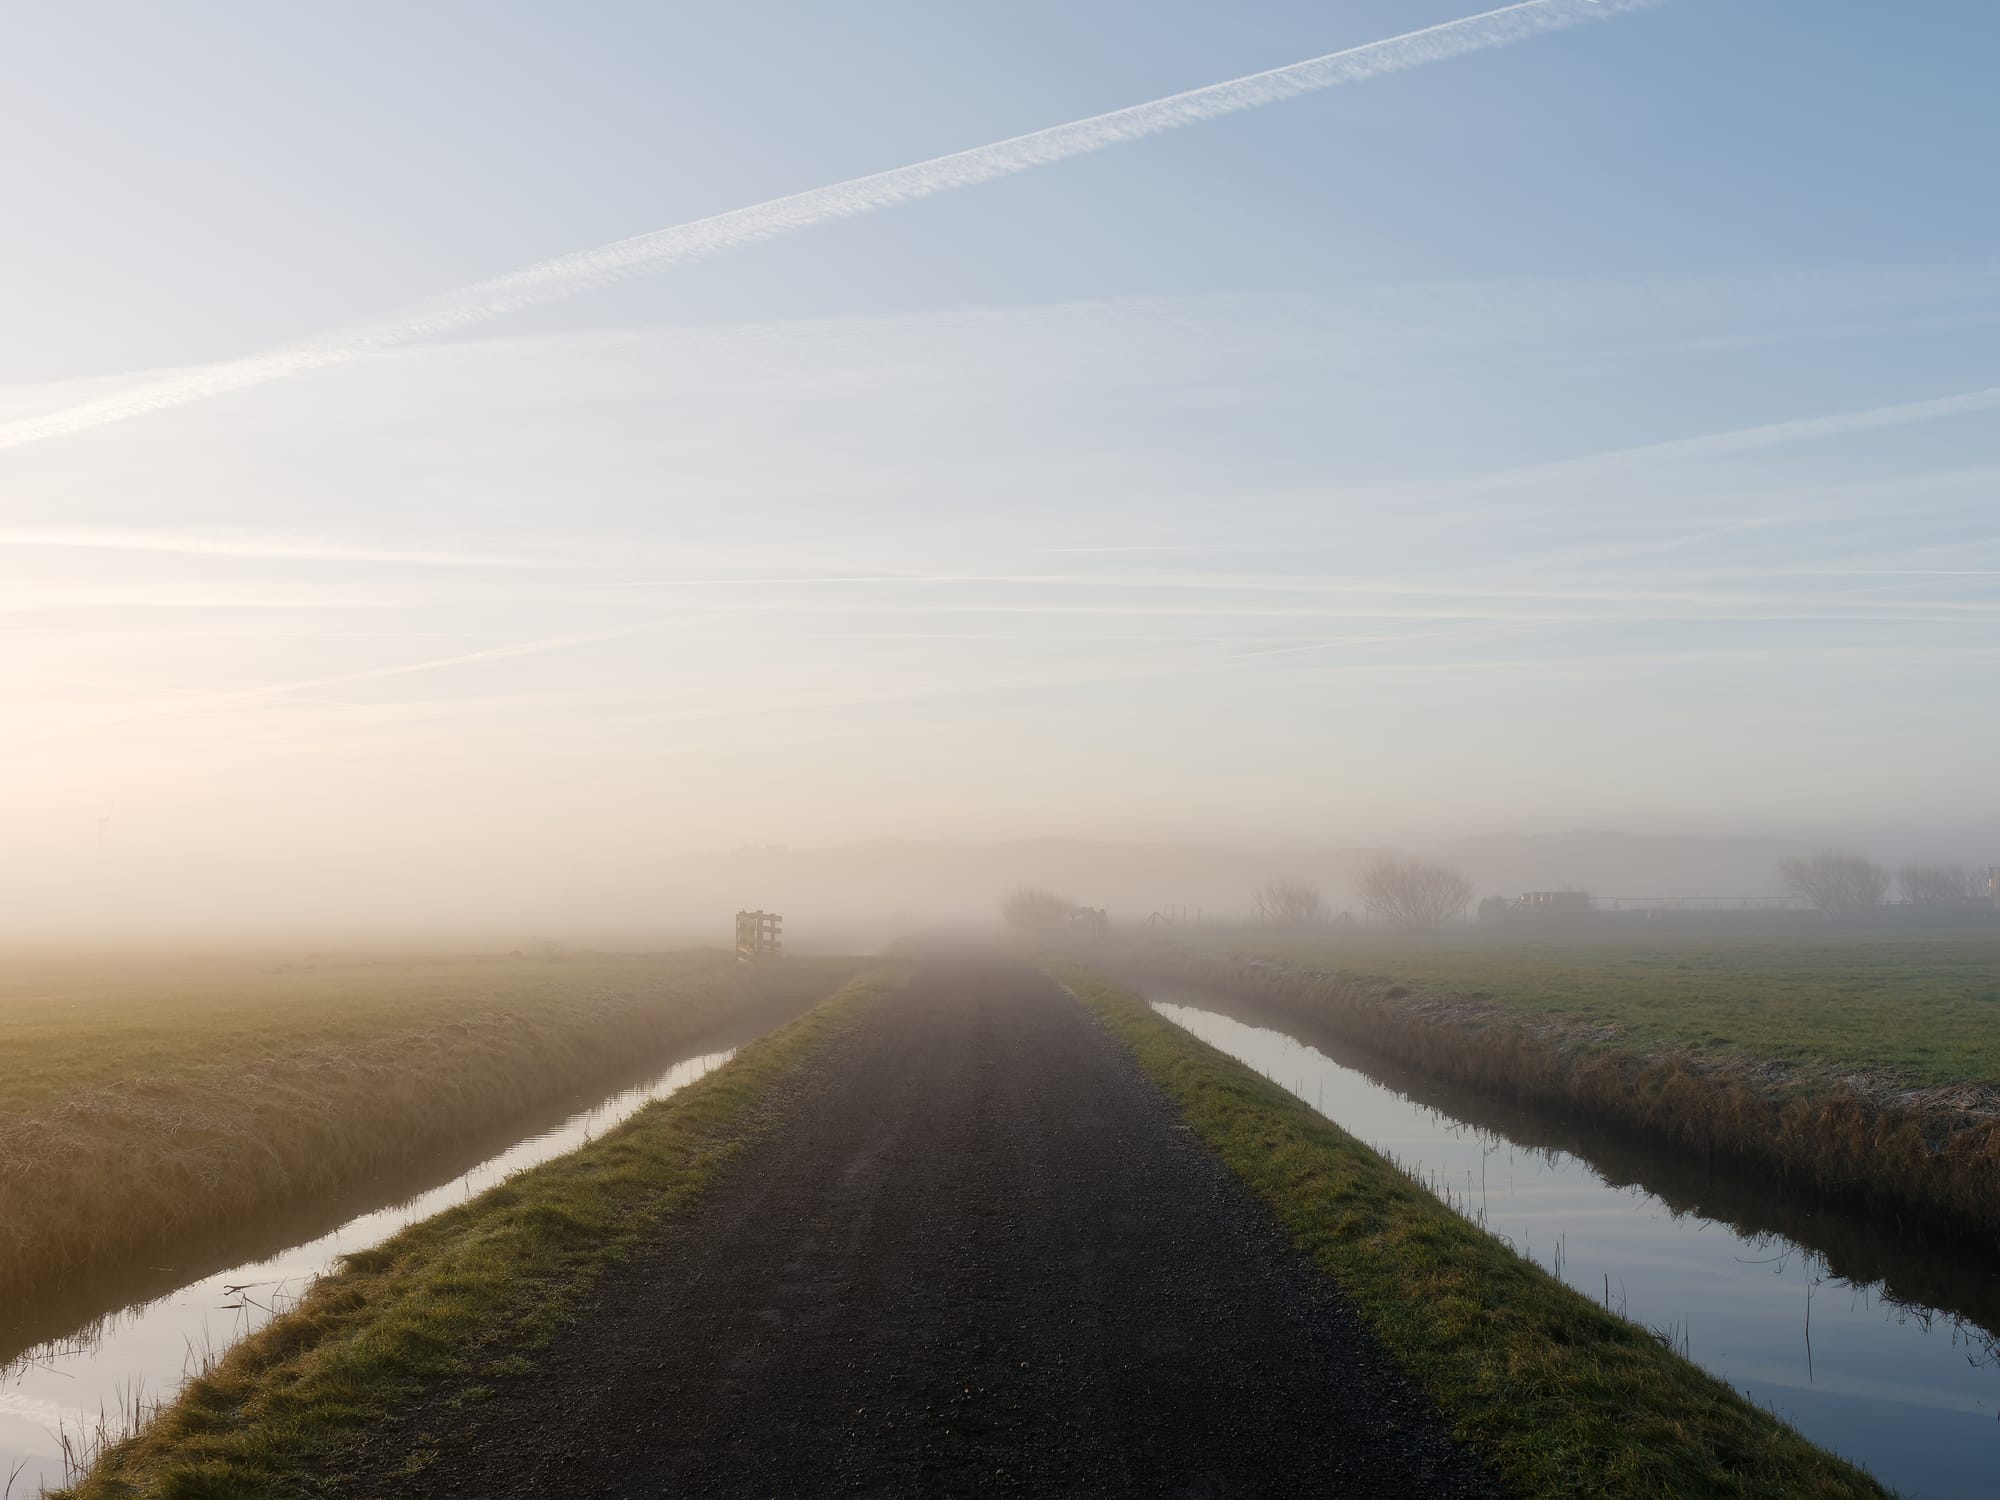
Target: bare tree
[(1031, 911), (1841, 885), (1414, 894), (1290, 904), (1940, 885)]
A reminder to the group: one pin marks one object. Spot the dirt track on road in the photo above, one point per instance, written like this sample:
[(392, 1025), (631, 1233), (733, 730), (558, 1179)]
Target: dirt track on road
[(981, 1256)]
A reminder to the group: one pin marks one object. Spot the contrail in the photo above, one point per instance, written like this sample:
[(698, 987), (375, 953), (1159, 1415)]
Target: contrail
[(584, 270)]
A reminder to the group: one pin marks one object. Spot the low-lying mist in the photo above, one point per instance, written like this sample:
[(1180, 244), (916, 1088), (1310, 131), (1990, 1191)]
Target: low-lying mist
[(841, 897)]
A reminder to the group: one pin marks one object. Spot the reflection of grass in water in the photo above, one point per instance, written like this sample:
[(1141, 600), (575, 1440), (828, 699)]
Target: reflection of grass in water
[(1928, 1157), (1557, 1394), (455, 1297), (1926, 1005), (1930, 1281), (84, 1443), (143, 1107)]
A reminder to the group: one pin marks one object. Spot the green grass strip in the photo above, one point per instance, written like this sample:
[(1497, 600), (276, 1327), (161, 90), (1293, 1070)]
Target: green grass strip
[(458, 1295), (1559, 1396), (1920, 1006)]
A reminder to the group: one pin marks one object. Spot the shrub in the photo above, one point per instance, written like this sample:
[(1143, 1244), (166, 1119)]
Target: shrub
[(1414, 894), (1032, 911), (1840, 885)]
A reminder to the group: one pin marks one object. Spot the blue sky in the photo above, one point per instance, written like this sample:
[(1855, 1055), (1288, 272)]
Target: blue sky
[(220, 180), (1297, 475)]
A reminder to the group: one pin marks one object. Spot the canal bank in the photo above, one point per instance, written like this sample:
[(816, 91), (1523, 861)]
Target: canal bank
[(1871, 1342), (1925, 1158), (87, 1363), (1560, 1395)]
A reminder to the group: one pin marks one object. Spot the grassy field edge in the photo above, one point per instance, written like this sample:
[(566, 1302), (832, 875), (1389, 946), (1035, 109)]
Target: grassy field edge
[(460, 1295), (1932, 1156), (1558, 1395)]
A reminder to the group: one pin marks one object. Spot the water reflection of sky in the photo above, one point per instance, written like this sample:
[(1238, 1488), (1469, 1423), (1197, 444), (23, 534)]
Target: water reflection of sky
[(1911, 1396), (147, 1351)]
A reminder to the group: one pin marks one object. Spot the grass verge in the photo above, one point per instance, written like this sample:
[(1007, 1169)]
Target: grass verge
[(1559, 1396), (1927, 1156), (455, 1294), (156, 1114)]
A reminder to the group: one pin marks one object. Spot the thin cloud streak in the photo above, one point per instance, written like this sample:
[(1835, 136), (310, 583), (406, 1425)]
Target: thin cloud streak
[(1945, 614), (370, 674), (105, 539), (1770, 435), (1893, 572), (1395, 505), (1169, 666), (1642, 589), (18, 596), (1625, 661), (568, 275)]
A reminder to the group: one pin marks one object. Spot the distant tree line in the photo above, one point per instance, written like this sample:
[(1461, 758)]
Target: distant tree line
[(1843, 884), (1400, 891), (1940, 885), (1410, 894)]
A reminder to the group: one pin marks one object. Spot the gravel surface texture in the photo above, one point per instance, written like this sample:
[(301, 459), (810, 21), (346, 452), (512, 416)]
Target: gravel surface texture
[(981, 1256)]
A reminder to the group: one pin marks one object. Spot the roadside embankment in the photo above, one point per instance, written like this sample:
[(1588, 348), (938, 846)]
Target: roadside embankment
[(1927, 1154), (153, 1118), (459, 1294), (1558, 1395)]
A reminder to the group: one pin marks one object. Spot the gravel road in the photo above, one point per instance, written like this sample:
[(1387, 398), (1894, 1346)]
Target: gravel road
[(982, 1256)]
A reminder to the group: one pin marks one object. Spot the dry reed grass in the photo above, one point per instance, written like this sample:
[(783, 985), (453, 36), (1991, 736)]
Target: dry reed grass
[(1931, 1155), (133, 1123)]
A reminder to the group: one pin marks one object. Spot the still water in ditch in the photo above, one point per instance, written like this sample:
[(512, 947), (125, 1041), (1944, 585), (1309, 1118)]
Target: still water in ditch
[(140, 1355), (1878, 1349)]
